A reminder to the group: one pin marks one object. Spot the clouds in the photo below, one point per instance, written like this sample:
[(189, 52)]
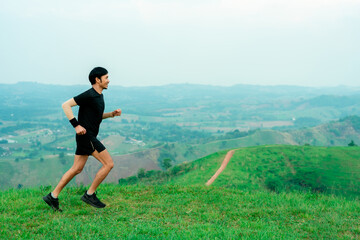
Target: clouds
[(167, 41), (255, 12), (170, 11)]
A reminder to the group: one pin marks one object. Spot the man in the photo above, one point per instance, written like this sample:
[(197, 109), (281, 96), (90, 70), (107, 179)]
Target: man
[(91, 113)]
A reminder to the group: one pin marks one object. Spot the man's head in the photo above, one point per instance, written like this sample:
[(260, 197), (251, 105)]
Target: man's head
[(99, 76)]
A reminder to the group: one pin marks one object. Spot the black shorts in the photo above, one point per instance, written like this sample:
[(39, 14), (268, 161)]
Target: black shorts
[(86, 145)]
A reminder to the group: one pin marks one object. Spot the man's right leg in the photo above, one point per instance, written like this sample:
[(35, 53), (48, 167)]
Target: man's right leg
[(79, 163)]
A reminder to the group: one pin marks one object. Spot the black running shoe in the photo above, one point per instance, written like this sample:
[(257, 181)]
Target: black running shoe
[(92, 200), (52, 202)]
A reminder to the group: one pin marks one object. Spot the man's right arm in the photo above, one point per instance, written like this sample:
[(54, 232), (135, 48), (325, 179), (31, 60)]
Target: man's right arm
[(70, 115)]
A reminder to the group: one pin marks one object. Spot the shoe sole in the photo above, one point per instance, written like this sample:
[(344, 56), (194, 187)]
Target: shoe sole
[(90, 203), (51, 205)]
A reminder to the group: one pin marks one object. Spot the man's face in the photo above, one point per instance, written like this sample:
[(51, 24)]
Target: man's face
[(104, 81)]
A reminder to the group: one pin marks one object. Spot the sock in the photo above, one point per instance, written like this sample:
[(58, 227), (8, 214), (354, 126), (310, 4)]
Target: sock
[(52, 195), (87, 192)]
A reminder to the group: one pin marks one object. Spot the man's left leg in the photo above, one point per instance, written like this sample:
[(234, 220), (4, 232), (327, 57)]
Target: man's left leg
[(107, 164)]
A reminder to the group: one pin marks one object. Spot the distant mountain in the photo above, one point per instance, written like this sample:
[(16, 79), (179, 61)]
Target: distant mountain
[(335, 133), (239, 102)]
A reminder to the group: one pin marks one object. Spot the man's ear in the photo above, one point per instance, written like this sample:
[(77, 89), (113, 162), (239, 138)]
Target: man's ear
[(98, 79)]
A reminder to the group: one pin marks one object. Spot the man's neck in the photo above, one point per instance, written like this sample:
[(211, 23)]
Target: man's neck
[(97, 88)]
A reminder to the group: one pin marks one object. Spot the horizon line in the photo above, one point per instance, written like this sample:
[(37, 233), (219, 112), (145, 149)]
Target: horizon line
[(195, 84)]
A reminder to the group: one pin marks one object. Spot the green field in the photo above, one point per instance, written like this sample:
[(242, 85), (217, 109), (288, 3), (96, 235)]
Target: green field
[(178, 212)]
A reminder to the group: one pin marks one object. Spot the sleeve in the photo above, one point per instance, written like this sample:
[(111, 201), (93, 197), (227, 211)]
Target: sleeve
[(82, 98)]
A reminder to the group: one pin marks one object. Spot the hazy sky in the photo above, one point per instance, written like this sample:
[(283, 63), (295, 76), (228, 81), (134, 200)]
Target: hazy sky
[(157, 42)]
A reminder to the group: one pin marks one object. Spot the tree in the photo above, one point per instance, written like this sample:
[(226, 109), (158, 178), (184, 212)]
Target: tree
[(141, 173), (352, 144), (166, 163)]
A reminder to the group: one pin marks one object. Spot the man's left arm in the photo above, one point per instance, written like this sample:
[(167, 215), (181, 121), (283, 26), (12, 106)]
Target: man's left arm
[(112, 114)]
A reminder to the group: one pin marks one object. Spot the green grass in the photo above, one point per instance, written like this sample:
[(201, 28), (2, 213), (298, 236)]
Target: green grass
[(178, 212)]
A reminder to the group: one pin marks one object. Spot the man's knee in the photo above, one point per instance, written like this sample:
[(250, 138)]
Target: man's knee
[(110, 165), (77, 170), (105, 158)]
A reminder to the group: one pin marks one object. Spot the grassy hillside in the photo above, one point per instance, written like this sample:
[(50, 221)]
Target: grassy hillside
[(334, 170), (178, 212)]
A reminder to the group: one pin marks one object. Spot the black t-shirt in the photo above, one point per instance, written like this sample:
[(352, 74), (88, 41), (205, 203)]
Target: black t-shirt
[(91, 110)]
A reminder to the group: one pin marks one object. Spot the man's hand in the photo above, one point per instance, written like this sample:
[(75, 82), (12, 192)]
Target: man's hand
[(80, 130), (117, 112)]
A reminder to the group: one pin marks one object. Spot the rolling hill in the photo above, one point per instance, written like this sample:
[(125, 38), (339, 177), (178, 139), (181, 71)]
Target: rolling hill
[(278, 168)]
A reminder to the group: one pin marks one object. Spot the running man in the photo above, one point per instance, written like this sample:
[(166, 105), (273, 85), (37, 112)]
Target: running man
[(91, 113)]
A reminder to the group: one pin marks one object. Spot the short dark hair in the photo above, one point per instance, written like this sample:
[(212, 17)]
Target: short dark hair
[(97, 73)]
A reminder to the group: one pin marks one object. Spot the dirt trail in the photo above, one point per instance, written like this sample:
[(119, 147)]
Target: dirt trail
[(222, 167)]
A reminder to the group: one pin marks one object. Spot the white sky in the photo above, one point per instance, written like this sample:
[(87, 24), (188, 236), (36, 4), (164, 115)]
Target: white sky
[(141, 43)]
